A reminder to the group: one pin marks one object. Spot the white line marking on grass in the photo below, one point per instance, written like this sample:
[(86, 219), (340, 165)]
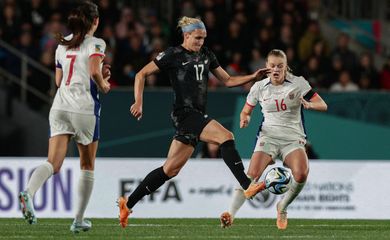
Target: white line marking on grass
[(40, 237), (205, 225), (340, 225), (16, 237), (117, 225), (242, 237), (193, 237), (315, 225)]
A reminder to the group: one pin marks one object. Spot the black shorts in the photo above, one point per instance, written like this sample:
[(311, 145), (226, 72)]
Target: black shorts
[(189, 124)]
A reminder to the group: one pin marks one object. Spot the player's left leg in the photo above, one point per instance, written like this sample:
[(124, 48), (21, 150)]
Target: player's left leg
[(85, 185), (298, 163), (57, 151), (178, 155)]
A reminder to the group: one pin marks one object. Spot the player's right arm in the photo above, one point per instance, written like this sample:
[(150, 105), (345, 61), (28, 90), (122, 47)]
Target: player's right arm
[(251, 101), (245, 115), (139, 83)]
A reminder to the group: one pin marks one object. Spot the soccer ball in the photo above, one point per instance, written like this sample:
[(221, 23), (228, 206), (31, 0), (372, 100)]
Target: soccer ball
[(277, 180)]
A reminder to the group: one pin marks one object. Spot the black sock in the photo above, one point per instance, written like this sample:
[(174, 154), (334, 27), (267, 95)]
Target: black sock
[(234, 162), (151, 183)]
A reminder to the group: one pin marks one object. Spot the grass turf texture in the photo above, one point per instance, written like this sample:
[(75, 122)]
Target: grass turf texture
[(12, 228)]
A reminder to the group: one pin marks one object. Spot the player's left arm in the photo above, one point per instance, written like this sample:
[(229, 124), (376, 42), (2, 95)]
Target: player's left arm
[(234, 81), (313, 101)]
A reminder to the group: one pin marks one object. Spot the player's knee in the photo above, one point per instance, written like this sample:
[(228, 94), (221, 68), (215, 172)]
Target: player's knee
[(226, 136), (229, 136), (300, 176), (56, 164), (87, 166), (171, 172)]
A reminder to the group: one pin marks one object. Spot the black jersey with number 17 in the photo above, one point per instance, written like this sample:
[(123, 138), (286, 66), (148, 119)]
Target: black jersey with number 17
[(188, 73)]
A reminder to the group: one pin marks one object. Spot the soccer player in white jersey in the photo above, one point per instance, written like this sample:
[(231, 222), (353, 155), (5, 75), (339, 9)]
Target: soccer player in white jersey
[(75, 110), (281, 134)]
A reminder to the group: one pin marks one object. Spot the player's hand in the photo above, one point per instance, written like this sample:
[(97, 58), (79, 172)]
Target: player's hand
[(136, 110), (106, 71), (244, 121), (306, 104), (260, 73), (105, 86)]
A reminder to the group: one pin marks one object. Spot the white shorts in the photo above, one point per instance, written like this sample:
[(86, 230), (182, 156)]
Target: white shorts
[(84, 128), (277, 147)]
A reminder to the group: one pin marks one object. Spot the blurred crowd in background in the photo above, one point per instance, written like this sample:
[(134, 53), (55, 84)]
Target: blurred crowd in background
[(240, 34)]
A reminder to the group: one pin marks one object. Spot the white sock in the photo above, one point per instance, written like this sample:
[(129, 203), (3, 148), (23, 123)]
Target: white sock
[(84, 192), (291, 194), (238, 201), (39, 177)]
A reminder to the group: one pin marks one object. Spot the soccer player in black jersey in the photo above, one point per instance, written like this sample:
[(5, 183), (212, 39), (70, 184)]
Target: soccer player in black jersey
[(188, 67)]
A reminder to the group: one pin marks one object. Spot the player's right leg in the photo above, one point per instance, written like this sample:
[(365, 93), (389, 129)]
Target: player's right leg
[(82, 226), (178, 155), (85, 185), (226, 220), (57, 151), (259, 162)]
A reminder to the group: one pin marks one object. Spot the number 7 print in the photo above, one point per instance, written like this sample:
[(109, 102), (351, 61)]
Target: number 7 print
[(72, 60)]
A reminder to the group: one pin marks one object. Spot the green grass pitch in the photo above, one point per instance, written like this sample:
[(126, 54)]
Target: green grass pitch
[(12, 228)]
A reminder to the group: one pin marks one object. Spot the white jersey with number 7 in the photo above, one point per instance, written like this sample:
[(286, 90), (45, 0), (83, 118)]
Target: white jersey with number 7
[(78, 92)]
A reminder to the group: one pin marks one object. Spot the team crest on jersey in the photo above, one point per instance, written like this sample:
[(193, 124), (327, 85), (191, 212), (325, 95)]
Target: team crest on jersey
[(160, 55), (291, 96), (98, 48)]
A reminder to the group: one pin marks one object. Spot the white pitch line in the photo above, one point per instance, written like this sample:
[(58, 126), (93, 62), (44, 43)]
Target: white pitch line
[(315, 225), (203, 225), (198, 237), (16, 237), (37, 237), (342, 225), (243, 237)]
